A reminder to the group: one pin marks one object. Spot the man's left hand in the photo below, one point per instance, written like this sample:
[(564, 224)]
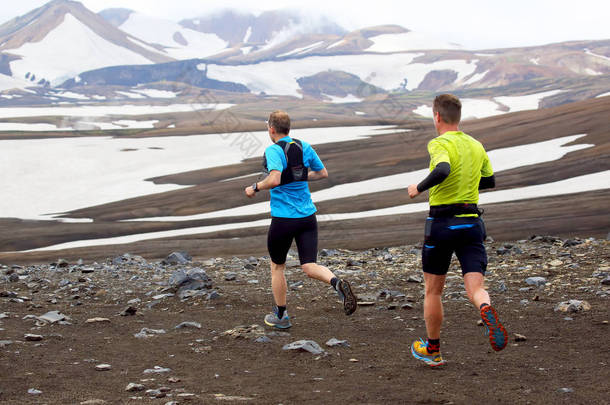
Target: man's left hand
[(412, 189), (250, 192)]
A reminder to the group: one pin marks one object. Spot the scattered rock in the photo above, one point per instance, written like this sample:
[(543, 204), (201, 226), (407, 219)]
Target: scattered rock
[(146, 333), (129, 311), (262, 339), (520, 338), (53, 316), (189, 325), (33, 338), (565, 390), (34, 391), (97, 320), (245, 332), (573, 306), (230, 276), (157, 370), (415, 279), (133, 387), (537, 281), (336, 342), (305, 345), (177, 258), (103, 367), (94, 402)]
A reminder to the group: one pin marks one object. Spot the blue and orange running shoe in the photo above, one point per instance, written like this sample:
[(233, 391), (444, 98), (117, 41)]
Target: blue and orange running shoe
[(498, 337), (419, 350)]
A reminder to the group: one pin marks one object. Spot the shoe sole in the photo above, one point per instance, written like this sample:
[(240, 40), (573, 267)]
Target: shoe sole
[(275, 325), (498, 336), (350, 302), (429, 362)]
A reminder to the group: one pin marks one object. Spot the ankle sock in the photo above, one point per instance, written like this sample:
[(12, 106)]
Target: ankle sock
[(483, 305), (333, 282), (280, 311), (434, 345)]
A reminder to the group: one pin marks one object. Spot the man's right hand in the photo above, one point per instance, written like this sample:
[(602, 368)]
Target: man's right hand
[(412, 189)]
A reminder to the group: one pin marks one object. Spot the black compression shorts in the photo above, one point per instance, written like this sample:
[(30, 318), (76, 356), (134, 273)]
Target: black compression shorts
[(303, 230), (462, 235)]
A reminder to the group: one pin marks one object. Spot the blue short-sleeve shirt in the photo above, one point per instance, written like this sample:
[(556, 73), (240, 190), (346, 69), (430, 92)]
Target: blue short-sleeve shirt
[(292, 200)]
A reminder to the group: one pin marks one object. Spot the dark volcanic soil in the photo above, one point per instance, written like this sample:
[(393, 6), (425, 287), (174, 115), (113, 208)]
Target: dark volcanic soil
[(564, 359)]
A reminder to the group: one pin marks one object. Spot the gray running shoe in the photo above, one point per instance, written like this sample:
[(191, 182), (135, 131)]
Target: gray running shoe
[(350, 302), (273, 320)]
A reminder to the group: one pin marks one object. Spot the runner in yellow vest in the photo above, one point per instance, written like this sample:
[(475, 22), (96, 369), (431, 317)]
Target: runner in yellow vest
[(459, 168)]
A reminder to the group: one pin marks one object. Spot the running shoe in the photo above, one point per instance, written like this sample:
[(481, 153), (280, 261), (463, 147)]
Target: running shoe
[(273, 320), (419, 350), (498, 337), (350, 302)]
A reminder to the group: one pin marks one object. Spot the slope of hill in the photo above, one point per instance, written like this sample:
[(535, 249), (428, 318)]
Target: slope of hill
[(63, 38)]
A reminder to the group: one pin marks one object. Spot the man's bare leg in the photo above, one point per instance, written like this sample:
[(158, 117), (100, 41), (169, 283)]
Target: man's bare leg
[(498, 337), (433, 305), (343, 288), (473, 282), (317, 272), (278, 284)]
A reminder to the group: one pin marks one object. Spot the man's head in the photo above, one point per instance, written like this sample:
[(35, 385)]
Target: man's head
[(447, 110), (278, 124)]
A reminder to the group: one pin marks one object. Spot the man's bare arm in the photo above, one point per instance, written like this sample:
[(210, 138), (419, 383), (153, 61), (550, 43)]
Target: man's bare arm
[(272, 180), (319, 175)]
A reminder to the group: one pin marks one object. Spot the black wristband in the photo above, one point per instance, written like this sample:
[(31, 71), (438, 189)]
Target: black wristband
[(255, 187)]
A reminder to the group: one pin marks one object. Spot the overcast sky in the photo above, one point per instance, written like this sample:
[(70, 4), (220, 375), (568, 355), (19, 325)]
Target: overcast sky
[(472, 23)]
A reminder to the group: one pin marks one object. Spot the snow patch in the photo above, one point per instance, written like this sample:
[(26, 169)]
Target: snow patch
[(300, 51), (476, 77), (350, 98), (338, 43), (588, 52), (603, 95), (164, 32), (102, 111), (154, 93), (248, 35), (528, 102), (69, 49), (406, 41)]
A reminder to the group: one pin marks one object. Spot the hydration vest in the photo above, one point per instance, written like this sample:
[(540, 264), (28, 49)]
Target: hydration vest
[(295, 168)]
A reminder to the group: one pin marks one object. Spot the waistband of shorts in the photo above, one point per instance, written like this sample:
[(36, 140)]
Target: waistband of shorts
[(452, 210)]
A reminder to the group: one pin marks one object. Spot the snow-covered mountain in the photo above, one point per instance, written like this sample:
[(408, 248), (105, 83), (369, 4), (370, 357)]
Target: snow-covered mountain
[(275, 53), (174, 40), (63, 38)]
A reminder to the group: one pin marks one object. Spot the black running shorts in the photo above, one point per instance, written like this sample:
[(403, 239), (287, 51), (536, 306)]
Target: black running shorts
[(462, 235), (303, 230)]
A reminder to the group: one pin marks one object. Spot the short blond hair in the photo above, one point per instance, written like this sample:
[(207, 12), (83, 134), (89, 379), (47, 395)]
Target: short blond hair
[(280, 121)]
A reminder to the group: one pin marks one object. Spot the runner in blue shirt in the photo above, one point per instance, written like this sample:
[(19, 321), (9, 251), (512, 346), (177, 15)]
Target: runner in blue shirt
[(290, 164)]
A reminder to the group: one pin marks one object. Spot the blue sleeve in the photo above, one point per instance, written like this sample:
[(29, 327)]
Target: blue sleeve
[(311, 158), (275, 158)]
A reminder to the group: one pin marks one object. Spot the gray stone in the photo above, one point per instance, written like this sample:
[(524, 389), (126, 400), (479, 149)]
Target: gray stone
[(4, 343), (33, 338), (565, 390), (537, 281), (94, 402), (133, 387), (230, 276), (177, 258), (212, 295), (13, 278), (336, 342), (262, 339), (103, 367), (573, 306), (305, 345), (34, 391), (53, 316), (415, 279), (606, 281), (189, 325), (129, 311), (520, 338), (146, 333), (157, 370), (161, 296)]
